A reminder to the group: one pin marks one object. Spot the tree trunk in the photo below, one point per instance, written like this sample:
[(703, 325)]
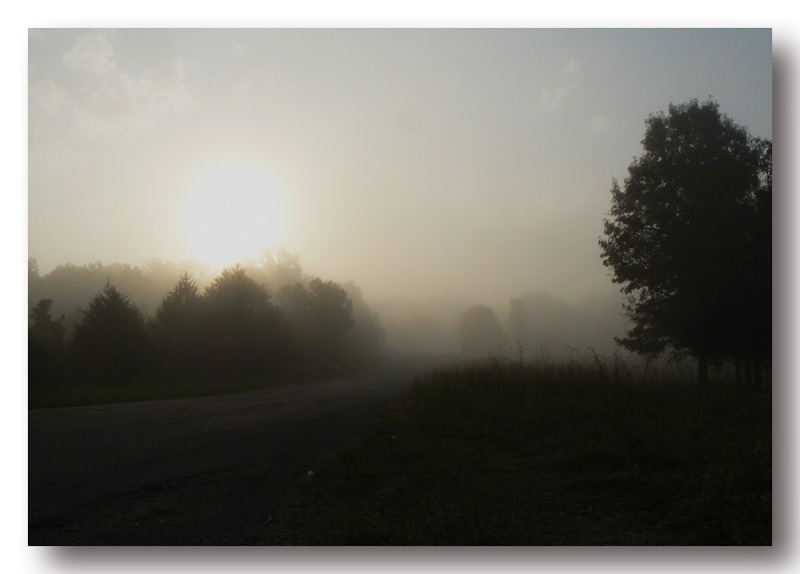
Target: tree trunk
[(702, 369)]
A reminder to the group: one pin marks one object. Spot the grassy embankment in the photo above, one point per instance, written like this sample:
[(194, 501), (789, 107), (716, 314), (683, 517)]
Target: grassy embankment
[(68, 392), (582, 452)]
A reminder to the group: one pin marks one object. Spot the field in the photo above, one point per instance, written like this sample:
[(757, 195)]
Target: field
[(580, 452)]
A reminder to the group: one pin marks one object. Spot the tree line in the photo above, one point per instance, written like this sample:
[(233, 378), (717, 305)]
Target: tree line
[(234, 327), (540, 324)]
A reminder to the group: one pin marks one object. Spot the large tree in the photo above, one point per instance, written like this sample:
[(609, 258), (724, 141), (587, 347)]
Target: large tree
[(177, 324), (243, 331), (111, 340), (45, 340), (689, 238), (320, 315), (44, 329)]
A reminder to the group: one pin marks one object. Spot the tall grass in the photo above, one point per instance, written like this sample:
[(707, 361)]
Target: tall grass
[(598, 411), (602, 452)]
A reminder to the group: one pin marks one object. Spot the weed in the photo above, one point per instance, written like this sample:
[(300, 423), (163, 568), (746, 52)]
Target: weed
[(587, 451)]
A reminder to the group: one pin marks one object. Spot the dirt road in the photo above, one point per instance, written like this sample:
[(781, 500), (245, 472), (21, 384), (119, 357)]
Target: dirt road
[(224, 470)]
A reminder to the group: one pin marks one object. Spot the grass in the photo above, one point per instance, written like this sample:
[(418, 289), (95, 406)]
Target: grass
[(67, 393), (583, 452), (75, 391)]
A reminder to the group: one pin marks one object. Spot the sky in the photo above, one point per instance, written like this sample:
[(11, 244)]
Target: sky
[(415, 162)]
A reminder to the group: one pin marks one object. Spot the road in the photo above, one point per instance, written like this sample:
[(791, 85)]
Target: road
[(223, 470)]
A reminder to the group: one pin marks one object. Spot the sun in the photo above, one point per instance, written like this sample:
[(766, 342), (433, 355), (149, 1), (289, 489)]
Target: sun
[(231, 212)]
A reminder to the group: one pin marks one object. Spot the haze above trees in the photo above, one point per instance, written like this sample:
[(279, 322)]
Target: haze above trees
[(232, 327), (688, 239), (323, 320)]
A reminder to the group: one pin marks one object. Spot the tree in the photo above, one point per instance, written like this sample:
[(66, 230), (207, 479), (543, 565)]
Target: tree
[(43, 329), (111, 339), (332, 309), (45, 340), (244, 332), (367, 333), (275, 267), (480, 332), (687, 238), (177, 322), (320, 316), (178, 305), (33, 272)]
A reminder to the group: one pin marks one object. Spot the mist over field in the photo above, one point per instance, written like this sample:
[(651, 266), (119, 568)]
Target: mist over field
[(423, 326), (438, 170)]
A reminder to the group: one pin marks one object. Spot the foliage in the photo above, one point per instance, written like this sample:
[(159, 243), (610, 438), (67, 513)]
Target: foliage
[(44, 329), (332, 308), (161, 276), (45, 341), (275, 268), (111, 340), (243, 331), (320, 316), (180, 303), (367, 333), (71, 287), (33, 272), (231, 330), (177, 323), (687, 237)]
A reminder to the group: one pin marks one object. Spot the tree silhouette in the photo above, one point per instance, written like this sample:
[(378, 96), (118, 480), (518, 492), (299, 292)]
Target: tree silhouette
[(43, 329), (33, 272), (111, 339), (320, 316), (480, 332), (367, 333), (275, 267), (72, 287), (243, 331), (331, 307), (177, 323), (687, 237), (45, 340)]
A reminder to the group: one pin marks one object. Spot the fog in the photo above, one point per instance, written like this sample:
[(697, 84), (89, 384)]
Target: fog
[(432, 171)]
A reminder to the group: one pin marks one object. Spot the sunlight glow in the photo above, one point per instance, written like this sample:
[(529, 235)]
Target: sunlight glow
[(232, 211)]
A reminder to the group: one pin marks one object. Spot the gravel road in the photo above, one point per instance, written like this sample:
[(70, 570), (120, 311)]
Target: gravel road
[(224, 470)]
